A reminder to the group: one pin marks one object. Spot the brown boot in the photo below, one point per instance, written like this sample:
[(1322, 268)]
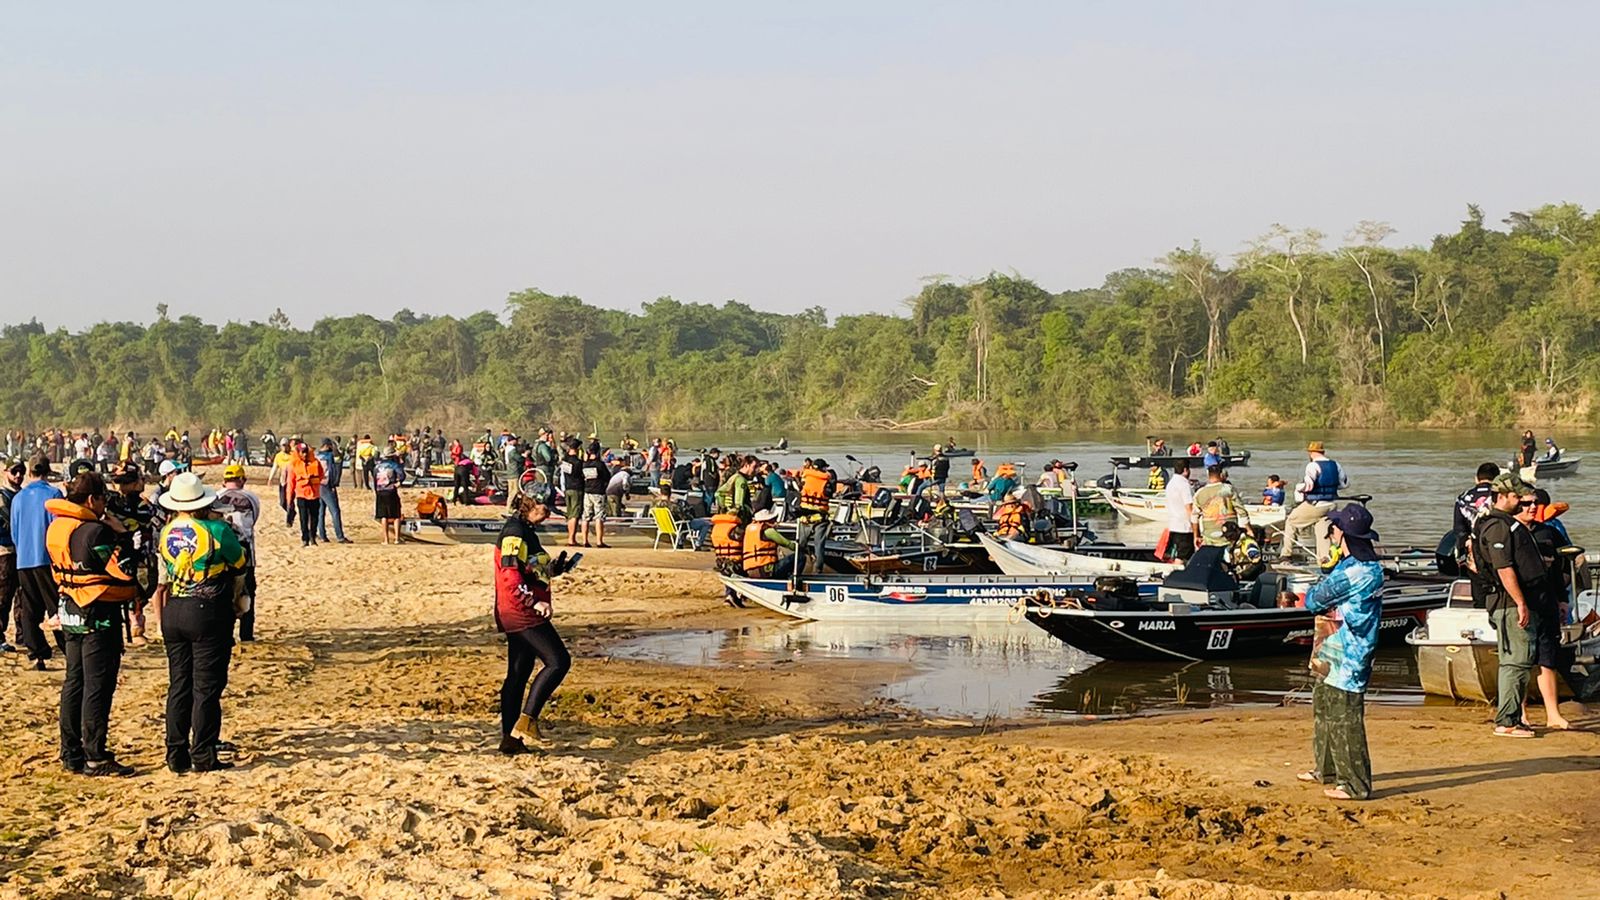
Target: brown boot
[(527, 729)]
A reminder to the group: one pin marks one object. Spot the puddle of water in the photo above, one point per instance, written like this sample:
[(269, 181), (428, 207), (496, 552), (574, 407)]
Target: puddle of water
[(1014, 671)]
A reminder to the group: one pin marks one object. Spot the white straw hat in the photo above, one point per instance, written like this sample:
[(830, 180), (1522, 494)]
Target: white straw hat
[(187, 493)]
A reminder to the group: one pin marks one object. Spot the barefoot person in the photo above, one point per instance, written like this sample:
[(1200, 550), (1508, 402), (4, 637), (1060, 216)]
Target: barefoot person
[(522, 573), (1344, 659)]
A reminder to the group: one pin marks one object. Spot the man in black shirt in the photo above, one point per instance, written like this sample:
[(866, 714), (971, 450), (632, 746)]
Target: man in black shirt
[(1508, 573), (1470, 505), (941, 468), (595, 477), (572, 488), (1549, 605)]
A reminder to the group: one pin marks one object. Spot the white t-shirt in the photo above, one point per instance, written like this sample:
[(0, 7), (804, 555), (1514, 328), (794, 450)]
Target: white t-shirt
[(1180, 496)]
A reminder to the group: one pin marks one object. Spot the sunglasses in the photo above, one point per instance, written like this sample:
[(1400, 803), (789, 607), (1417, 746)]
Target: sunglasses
[(1527, 504)]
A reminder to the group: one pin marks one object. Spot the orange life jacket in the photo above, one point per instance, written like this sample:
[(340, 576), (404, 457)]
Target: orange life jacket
[(723, 540), (74, 573), (760, 551), (431, 504), (1008, 517), (814, 490)]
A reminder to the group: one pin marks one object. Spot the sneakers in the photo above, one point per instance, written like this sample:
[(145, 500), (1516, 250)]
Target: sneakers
[(511, 746), (216, 766), (7, 648), (109, 768)]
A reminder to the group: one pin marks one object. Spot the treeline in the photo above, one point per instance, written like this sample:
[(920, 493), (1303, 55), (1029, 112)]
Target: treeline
[(1485, 327)]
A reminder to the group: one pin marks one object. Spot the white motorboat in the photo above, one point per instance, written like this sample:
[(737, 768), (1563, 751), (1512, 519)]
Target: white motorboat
[(1015, 558)]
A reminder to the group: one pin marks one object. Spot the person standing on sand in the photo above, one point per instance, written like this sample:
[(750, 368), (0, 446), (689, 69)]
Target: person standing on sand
[(304, 485), (241, 509), (386, 479), (36, 591), (1508, 575), (202, 568), (1344, 659), (282, 459), (522, 610)]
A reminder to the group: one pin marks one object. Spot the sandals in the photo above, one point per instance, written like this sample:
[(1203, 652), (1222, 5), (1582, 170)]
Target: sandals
[(1310, 778), (1513, 731), (1337, 793)]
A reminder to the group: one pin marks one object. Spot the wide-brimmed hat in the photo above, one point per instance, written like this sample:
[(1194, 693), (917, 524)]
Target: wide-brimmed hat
[(766, 515), (1355, 522), (188, 492), (1316, 447)]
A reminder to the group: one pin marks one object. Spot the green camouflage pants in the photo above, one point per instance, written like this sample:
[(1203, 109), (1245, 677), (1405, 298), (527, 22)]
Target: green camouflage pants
[(1339, 740), (1515, 644)]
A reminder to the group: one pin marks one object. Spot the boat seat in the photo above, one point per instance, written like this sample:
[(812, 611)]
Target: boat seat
[(1263, 593)]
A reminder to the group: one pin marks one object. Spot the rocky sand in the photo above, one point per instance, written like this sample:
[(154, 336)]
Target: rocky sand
[(366, 724)]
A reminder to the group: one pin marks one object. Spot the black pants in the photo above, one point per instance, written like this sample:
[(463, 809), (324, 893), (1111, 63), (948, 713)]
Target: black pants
[(36, 601), (199, 641), (524, 648), (247, 621), (286, 503), (93, 661), (8, 592), (310, 512)]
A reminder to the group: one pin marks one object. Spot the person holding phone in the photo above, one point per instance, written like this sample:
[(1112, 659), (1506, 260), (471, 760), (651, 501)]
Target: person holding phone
[(522, 611)]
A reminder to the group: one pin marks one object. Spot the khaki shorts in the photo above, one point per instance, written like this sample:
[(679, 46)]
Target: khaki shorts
[(594, 507)]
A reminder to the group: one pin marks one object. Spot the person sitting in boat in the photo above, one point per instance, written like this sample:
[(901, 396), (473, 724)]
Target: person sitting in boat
[(1223, 448), (1012, 516), (783, 444), (1243, 555), (760, 552), (1003, 483), (1272, 494), (1212, 456), (1552, 453), (1158, 479), (1156, 447), (433, 508), (980, 476), (1050, 478), (727, 542), (1194, 450)]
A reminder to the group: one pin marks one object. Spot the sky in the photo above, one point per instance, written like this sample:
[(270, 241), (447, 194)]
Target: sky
[(325, 158)]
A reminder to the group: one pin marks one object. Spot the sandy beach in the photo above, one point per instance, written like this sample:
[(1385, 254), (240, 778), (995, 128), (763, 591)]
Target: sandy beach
[(366, 723)]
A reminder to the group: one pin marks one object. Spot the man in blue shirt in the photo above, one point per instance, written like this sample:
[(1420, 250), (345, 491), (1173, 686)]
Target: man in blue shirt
[(36, 595), (1343, 659), (333, 467)]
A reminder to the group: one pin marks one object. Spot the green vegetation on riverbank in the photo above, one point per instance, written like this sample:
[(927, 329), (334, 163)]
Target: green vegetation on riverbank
[(1486, 326)]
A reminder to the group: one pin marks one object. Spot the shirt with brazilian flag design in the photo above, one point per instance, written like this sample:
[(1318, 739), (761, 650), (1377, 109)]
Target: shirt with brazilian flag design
[(200, 557)]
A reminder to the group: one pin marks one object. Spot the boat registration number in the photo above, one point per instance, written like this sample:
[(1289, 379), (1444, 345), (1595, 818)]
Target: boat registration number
[(1220, 639), (838, 594)]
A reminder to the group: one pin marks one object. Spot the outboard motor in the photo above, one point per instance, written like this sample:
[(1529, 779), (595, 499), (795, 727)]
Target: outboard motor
[(1109, 482), (1444, 555), (967, 524), (1203, 581)]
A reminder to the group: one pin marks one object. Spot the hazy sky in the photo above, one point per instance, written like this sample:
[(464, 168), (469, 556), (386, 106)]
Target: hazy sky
[(336, 157)]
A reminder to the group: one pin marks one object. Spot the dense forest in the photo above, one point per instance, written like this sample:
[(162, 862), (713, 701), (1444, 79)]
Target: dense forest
[(1486, 327)]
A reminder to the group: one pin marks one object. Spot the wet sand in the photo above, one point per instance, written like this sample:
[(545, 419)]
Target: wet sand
[(366, 722)]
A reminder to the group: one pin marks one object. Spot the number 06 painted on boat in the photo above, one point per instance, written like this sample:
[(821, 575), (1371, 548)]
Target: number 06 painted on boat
[(838, 594), (1220, 639)]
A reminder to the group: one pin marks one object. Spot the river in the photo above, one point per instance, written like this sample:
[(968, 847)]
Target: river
[(1413, 476)]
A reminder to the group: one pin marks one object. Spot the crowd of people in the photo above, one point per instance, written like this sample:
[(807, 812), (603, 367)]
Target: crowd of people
[(85, 565)]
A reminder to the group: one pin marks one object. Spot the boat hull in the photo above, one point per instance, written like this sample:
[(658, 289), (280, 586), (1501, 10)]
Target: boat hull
[(1026, 559), (989, 599), (1207, 633)]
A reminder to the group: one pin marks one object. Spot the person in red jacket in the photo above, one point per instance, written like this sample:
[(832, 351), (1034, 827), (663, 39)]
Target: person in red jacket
[(522, 610), (304, 488)]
